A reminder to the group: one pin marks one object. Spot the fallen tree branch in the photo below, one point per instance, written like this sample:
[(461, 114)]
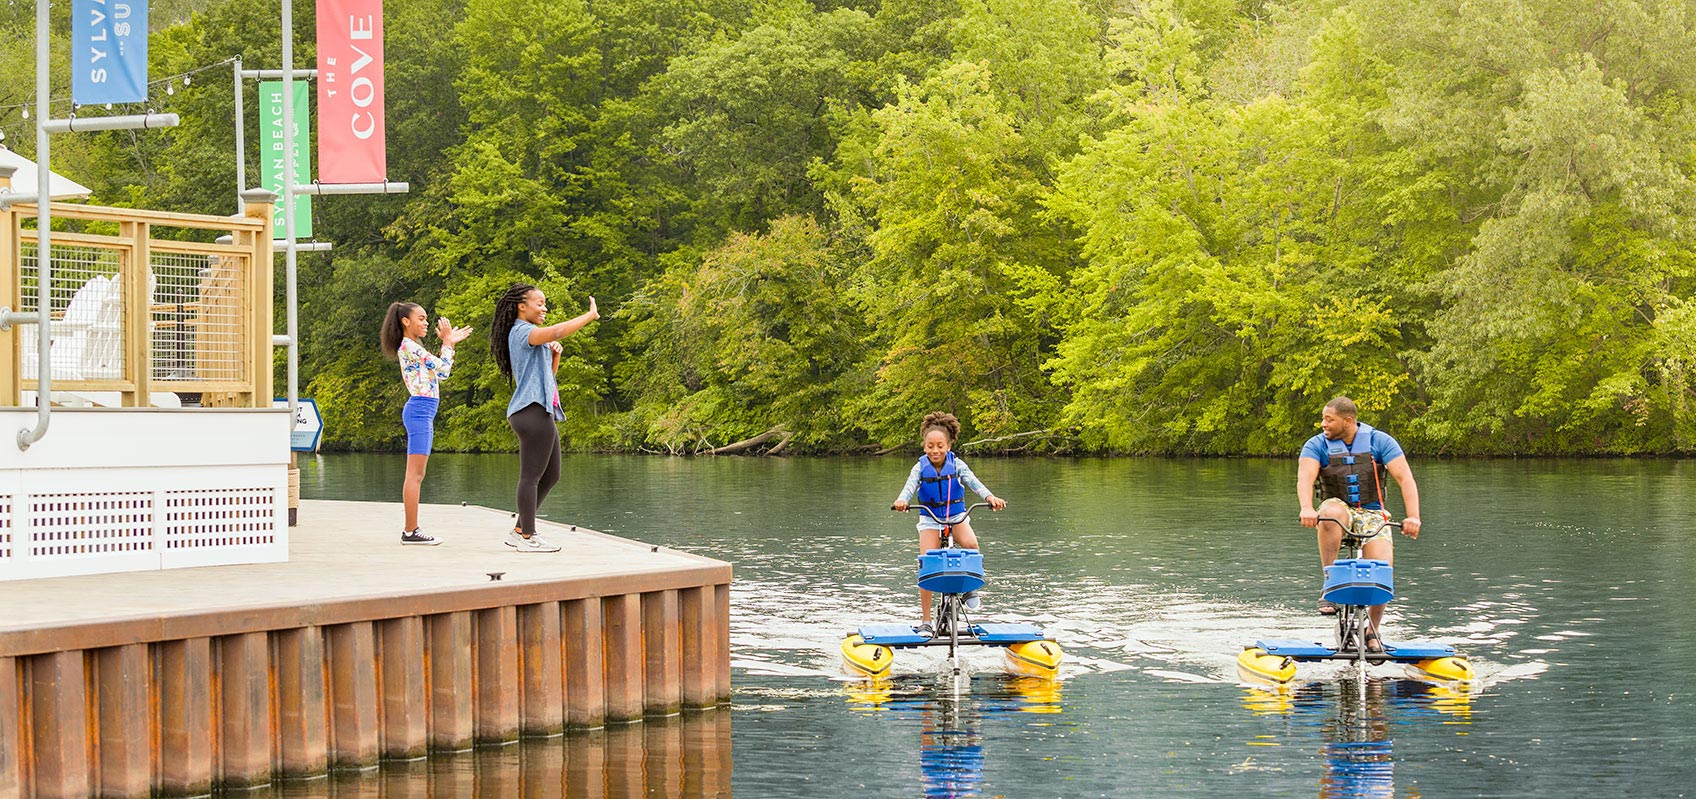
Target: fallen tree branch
[(1025, 434), (747, 443), (787, 436)]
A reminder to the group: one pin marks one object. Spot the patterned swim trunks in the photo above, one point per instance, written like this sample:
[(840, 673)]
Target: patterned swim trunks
[(1365, 524)]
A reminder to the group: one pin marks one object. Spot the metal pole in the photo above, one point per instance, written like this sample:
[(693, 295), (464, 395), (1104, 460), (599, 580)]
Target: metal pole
[(274, 74), (288, 211), (44, 237), (241, 141), (75, 124), (386, 187)]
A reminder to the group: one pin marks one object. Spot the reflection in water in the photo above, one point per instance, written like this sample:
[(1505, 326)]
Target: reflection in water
[(680, 756), (1359, 753), (951, 739), (951, 752), (1355, 726)]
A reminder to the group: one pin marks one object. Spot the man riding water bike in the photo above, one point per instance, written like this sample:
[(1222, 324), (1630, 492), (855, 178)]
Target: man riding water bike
[(1349, 459)]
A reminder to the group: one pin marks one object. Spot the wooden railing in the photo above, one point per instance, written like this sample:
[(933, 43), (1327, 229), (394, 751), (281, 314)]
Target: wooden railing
[(139, 320)]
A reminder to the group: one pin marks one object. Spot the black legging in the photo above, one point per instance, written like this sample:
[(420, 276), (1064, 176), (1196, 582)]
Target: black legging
[(538, 458)]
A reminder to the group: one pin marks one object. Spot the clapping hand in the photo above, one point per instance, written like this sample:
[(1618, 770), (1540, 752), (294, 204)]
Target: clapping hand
[(449, 334)]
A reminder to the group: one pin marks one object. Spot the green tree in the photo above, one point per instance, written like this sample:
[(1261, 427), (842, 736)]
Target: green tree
[(759, 334)]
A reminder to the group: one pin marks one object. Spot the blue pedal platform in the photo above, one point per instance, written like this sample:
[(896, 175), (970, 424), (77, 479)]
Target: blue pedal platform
[(892, 635), (1295, 648), (1007, 633), (1418, 650)]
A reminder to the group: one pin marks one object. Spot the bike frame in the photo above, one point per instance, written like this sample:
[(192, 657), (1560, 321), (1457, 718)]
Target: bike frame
[(1355, 621), (950, 607)]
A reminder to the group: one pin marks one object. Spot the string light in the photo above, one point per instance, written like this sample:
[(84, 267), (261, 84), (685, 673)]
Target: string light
[(168, 82)]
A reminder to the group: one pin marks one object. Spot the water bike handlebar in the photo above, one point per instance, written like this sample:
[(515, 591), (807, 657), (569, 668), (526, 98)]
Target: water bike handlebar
[(1349, 535), (932, 514)]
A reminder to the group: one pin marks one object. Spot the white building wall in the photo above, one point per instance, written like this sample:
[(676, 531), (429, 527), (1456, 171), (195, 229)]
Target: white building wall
[(111, 490)]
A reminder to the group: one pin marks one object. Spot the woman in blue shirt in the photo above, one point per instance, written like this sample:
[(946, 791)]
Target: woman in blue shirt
[(528, 353)]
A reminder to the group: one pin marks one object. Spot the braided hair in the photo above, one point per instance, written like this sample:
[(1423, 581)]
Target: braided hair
[(940, 420), (506, 314), (390, 336)]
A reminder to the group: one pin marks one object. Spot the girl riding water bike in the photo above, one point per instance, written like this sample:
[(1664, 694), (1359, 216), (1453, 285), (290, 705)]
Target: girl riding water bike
[(940, 480)]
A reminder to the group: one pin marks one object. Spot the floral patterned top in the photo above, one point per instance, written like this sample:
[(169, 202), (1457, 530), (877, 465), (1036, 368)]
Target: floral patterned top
[(422, 371)]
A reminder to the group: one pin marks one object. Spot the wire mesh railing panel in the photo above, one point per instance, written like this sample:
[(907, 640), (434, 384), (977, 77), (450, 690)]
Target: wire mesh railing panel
[(198, 318), (86, 302)]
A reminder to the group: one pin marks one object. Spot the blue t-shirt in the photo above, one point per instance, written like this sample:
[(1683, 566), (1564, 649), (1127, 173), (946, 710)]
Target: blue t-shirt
[(532, 371), (1384, 449)]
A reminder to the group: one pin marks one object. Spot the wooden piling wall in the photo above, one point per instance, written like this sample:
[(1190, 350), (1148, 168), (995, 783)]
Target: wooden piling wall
[(178, 706)]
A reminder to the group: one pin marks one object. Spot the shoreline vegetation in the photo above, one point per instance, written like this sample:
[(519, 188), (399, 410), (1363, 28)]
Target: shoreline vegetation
[(1154, 227)]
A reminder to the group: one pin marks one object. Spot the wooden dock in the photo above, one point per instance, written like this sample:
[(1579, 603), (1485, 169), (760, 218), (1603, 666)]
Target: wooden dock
[(357, 649)]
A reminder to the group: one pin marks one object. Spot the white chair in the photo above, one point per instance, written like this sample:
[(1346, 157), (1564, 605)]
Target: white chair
[(69, 333), (88, 344), (102, 356)]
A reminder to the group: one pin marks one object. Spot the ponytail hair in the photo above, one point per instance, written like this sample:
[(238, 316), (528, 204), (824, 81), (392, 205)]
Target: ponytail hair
[(392, 334), (506, 314), (941, 420)]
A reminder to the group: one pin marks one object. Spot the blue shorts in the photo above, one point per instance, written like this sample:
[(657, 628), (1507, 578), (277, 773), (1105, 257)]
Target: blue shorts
[(419, 416)]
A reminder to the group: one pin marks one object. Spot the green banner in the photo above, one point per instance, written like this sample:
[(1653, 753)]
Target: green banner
[(271, 153)]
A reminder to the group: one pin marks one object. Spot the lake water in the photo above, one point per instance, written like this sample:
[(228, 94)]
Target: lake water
[(1569, 584)]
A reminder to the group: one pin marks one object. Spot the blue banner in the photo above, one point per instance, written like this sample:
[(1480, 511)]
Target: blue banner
[(108, 51)]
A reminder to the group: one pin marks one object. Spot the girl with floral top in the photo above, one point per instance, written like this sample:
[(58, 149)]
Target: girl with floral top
[(402, 335)]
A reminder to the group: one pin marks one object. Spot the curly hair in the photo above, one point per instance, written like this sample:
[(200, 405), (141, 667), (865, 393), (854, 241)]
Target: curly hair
[(390, 336), (506, 314), (940, 420)]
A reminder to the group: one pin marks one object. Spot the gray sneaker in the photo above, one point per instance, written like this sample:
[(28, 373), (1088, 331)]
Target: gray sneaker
[(972, 602), (534, 543)]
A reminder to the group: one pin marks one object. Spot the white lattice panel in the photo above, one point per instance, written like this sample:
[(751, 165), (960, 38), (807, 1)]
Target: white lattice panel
[(90, 524), (5, 528), (120, 490), (226, 517)]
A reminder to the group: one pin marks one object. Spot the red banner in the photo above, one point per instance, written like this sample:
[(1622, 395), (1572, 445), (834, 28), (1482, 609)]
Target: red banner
[(350, 92)]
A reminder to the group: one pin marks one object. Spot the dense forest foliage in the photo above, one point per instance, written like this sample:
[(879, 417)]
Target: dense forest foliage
[(1113, 226)]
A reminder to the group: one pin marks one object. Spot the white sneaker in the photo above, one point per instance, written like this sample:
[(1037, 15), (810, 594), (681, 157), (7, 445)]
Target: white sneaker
[(517, 536), (534, 543), (972, 602)]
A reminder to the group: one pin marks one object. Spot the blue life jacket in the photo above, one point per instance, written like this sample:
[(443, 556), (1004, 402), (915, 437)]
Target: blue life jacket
[(1352, 474), (940, 489)]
